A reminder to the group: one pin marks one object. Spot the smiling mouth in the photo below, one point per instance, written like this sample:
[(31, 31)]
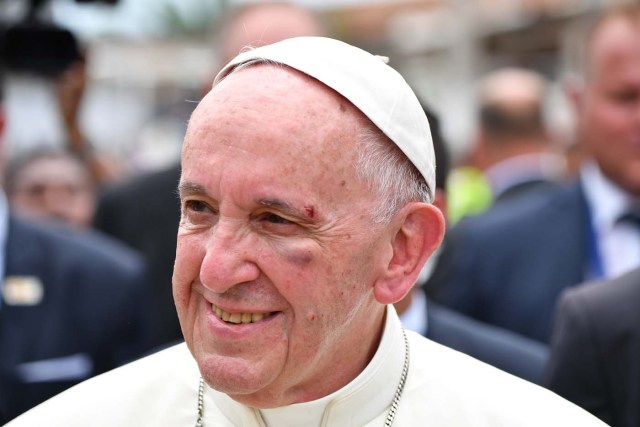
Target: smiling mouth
[(237, 318)]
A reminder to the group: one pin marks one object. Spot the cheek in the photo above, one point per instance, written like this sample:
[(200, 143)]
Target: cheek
[(302, 272), (609, 119), (294, 253), (299, 257), (189, 256)]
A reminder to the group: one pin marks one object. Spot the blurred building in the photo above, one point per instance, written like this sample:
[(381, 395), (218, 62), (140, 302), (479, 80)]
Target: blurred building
[(148, 60)]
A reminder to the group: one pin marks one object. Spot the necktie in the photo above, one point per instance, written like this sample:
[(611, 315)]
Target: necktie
[(631, 217)]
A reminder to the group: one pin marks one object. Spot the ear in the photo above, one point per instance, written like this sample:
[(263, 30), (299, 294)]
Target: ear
[(2, 123), (574, 91), (420, 229)]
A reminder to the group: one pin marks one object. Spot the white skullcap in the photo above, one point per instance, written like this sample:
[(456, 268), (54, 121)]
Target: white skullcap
[(366, 81)]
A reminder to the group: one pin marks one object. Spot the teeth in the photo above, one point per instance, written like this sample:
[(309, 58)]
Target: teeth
[(238, 318), (235, 318)]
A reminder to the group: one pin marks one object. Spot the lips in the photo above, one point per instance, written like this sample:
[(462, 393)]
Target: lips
[(237, 318)]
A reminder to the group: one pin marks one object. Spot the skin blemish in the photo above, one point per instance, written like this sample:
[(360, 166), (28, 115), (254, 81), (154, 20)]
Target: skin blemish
[(343, 183), (310, 211), (343, 108), (311, 317)]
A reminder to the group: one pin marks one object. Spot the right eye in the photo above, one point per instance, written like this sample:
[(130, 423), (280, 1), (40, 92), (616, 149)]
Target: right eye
[(197, 211), (195, 206)]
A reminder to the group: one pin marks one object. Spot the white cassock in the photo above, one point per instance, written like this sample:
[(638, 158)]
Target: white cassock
[(444, 389)]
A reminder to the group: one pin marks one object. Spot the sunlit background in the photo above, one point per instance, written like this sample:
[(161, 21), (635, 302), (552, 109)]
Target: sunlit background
[(149, 59)]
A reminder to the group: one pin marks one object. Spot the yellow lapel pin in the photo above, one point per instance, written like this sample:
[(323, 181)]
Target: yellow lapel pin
[(22, 290)]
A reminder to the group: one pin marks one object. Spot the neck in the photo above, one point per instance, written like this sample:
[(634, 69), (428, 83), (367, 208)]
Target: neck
[(403, 305)]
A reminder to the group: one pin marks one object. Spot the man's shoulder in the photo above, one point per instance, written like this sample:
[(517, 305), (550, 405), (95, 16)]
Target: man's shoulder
[(552, 224), (608, 293), (497, 346), (609, 307), (159, 389), (139, 208), (524, 213), (461, 389), (150, 184), (60, 246)]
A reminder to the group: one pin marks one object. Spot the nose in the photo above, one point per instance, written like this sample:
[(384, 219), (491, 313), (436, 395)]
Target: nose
[(57, 203), (229, 259)]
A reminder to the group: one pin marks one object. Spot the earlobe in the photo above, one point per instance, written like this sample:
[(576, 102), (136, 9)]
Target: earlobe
[(573, 90), (419, 233)]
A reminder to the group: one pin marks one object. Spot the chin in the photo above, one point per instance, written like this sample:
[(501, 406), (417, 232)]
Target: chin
[(245, 381)]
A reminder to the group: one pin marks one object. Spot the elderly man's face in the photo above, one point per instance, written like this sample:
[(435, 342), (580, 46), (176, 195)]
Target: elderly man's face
[(276, 254), (610, 106)]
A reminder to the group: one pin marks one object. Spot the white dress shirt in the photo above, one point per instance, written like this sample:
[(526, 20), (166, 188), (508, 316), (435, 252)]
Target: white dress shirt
[(4, 230), (617, 242)]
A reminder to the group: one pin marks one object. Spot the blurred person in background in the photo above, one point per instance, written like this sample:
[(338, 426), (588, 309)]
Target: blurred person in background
[(498, 347), (72, 305), (513, 146), (51, 185), (509, 267), (595, 350), (513, 152), (144, 212), (595, 358)]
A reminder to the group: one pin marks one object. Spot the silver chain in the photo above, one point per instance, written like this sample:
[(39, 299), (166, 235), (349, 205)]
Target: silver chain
[(394, 404), (200, 403), (403, 377)]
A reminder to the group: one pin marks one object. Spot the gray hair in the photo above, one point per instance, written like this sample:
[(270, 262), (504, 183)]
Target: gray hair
[(389, 174)]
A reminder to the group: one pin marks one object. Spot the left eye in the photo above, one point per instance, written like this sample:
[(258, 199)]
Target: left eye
[(275, 219)]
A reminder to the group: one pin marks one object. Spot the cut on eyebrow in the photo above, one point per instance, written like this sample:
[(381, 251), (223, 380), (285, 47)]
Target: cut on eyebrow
[(287, 208), (189, 188)]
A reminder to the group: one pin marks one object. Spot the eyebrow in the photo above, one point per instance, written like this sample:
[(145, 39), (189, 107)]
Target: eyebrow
[(308, 213), (189, 188)]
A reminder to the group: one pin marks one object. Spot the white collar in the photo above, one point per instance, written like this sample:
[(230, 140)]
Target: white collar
[(362, 400), (607, 201)]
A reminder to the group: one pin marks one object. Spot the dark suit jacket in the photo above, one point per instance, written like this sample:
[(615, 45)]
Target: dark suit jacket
[(144, 213), (508, 266), (90, 320), (595, 352), (528, 188), (498, 347)]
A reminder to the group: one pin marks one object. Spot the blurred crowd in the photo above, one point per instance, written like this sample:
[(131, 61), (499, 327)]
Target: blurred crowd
[(539, 274)]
